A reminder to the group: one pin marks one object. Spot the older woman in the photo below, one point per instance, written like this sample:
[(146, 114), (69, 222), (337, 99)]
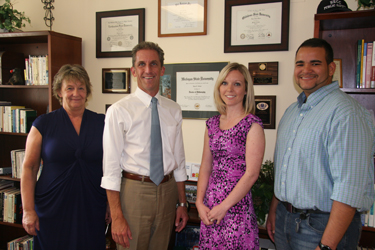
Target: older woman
[(232, 156), (66, 207)]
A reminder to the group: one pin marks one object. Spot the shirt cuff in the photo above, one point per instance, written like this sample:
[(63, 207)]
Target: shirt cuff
[(180, 175), (111, 183)]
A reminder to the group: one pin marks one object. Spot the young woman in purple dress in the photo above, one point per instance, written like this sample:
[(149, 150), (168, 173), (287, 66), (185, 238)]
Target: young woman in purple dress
[(232, 156)]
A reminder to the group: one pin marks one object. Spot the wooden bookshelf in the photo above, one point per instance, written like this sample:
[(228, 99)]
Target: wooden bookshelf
[(61, 49), (342, 30)]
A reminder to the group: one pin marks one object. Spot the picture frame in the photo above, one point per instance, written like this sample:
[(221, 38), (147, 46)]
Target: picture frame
[(116, 80), (262, 25), (191, 192), (117, 32), (337, 76), (191, 86), (182, 18), (265, 109)]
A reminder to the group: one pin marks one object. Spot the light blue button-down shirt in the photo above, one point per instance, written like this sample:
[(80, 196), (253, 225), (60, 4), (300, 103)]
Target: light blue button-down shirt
[(324, 152)]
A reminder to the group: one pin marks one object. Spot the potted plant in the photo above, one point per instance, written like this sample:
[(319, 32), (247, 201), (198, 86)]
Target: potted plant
[(366, 4), (10, 18), (262, 191)]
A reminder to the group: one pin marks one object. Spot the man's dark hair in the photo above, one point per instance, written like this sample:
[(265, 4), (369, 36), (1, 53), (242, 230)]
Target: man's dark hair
[(319, 43), (150, 46)]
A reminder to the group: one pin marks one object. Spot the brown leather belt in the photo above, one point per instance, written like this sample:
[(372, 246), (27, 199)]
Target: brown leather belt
[(144, 178), (289, 207)]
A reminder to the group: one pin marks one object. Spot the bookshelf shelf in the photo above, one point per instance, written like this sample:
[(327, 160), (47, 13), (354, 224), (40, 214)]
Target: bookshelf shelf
[(9, 178), (11, 224), (342, 30), (61, 49), (24, 86)]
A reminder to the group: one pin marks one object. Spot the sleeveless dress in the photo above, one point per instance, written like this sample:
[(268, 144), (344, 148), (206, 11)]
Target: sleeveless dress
[(238, 229), (69, 201)]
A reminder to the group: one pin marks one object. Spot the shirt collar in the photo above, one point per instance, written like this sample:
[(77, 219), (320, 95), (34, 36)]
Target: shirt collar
[(146, 98), (318, 95)]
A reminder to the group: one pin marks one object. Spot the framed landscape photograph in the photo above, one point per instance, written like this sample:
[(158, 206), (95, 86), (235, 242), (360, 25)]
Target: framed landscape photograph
[(258, 25), (116, 80), (117, 32), (182, 18)]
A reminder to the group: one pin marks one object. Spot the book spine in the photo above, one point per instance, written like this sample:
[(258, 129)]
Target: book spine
[(368, 65), (358, 72), (373, 66), (363, 66)]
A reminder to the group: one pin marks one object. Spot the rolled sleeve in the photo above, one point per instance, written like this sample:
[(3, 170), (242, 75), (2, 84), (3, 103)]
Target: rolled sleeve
[(352, 167), (113, 143), (179, 152)]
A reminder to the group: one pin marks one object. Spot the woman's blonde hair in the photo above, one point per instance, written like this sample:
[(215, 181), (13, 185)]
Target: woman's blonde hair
[(248, 101)]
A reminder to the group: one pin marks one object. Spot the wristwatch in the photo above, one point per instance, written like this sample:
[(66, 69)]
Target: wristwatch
[(186, 204), (324, 247)]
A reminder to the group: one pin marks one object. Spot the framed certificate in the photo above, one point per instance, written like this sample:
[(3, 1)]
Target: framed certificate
[(337, 76), (117, 32), (191, 85), (262, 25), (116, 80), (182, 18)]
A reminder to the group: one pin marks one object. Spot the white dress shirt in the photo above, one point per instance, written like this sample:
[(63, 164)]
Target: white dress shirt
[(127, 136)]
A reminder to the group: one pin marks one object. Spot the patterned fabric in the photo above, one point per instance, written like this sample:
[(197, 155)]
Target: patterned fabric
[(324, 152), (238, 229)]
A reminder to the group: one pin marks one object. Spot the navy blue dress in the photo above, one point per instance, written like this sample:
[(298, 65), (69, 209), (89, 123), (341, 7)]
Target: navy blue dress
[(69, 201)]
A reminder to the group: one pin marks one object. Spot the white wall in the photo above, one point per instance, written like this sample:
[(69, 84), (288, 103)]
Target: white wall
[(78, 18)]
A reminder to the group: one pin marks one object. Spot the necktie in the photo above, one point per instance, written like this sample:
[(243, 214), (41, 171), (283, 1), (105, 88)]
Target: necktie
[(156, 149)]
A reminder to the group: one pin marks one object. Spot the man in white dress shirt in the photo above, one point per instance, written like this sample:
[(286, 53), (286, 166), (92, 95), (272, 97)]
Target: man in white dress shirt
[(143, 213)]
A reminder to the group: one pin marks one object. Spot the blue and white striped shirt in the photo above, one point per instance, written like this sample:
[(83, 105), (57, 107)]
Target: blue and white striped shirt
[(324, 152)]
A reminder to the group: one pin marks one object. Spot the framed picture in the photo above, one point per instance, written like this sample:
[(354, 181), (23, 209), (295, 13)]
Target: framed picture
[(116, 80), (262, 25), (117, 32), (191, 85), (337, 76), (191, 193), (107, 106), (182, 18), (265, 109)]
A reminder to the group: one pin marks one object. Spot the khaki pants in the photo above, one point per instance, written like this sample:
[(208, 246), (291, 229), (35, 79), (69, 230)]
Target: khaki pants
[(150, 211)]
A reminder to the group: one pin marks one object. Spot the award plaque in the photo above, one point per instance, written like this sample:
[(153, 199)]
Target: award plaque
[(264, 73)]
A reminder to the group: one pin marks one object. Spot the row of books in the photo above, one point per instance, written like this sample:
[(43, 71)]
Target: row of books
[(368, 218), (17, 156), (23, 243), (365, 74), (10, 203), (36, 70), (16, 119)]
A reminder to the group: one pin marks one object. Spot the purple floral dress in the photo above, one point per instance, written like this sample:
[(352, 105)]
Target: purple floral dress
[(238, 229)]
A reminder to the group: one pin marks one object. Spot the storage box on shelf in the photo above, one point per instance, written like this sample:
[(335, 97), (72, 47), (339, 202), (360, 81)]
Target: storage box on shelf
[(61, 49), (342, 30)]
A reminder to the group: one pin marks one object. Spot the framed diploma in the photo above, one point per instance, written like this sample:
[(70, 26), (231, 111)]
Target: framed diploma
[(262, 25), (117, 32), (191, 85), (116, 80), (265, 109), (182, 18)]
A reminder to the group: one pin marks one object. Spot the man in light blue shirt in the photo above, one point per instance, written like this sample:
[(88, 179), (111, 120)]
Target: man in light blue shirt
[(324, 168)]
